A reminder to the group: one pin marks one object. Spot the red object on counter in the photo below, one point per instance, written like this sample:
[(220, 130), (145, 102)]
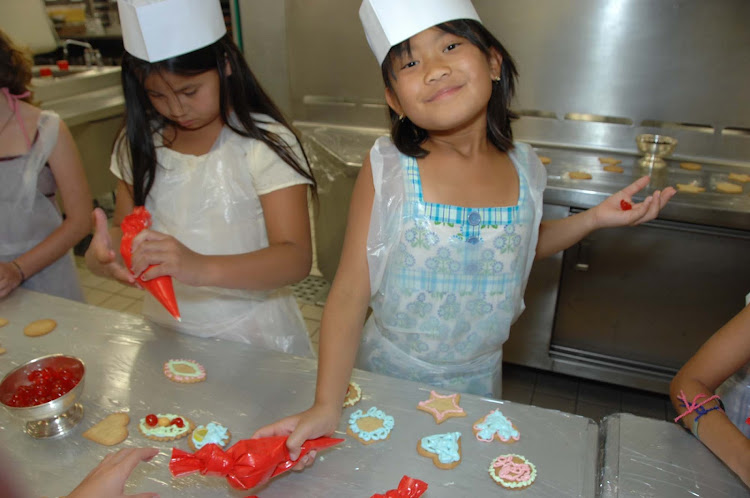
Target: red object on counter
[(160, 287), (45, 385), (625, 205), (407, 488), (63, 65), (247, 463), (45, 71)]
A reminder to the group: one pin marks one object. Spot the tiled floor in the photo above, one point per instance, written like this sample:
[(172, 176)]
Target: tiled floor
[(520, 384)]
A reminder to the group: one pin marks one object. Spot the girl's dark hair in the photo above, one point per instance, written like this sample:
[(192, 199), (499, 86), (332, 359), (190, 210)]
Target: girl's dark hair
[(15, 66), (408, 137), (239, 92)]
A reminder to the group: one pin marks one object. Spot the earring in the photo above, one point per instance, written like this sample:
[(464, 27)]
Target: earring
[(401, 117), (497, 79)]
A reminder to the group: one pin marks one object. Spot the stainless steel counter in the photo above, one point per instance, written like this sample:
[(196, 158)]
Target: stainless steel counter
[(246, 389), (646, 457)]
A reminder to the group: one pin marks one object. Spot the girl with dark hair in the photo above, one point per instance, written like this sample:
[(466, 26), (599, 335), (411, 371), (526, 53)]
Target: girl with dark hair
[(38, 159), (445, 218), (211, 157)]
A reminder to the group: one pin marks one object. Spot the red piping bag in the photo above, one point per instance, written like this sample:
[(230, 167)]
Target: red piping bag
[(160, 287), (247, 463), (407, 488)]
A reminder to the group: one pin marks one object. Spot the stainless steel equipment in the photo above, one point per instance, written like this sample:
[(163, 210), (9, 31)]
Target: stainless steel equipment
[(594, 75)]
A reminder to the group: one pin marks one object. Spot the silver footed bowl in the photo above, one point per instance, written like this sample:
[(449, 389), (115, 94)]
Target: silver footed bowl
[(54, 418)]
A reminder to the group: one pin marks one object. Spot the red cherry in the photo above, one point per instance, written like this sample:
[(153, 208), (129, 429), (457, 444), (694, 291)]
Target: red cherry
[(151, 419), (625, 205), (178, 422)]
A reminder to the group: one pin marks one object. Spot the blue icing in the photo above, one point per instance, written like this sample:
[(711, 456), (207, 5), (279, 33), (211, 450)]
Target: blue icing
[(215, 433), (445, 446), (377, 434), (496, 423)]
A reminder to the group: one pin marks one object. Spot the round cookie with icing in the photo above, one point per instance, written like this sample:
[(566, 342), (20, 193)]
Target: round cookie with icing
[(212, 432), (444, 449), (370, 426), (512, 471), (184, 371), (165, 426), (353, 394), (495, 425)]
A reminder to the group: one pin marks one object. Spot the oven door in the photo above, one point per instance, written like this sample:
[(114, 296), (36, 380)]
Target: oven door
[(636, 303)]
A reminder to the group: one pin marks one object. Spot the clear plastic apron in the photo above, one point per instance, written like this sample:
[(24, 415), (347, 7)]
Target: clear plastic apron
[(28, 216), (209, 204), (451, 288)]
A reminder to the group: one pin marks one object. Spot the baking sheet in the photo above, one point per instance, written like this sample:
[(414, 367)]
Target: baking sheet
[(247, 389)]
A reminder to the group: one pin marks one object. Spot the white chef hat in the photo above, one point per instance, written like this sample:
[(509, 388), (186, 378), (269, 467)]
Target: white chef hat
[(389, 22), (155, 30)]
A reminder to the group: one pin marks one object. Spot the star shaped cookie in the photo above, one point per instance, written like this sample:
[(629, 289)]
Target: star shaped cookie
[(442, 407)]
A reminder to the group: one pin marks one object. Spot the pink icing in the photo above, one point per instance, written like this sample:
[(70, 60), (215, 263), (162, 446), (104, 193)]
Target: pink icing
[(511, 471), (440, 415)]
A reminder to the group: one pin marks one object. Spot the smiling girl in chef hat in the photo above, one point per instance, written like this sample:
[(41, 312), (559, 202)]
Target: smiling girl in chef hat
[(445, 220), (224, 177)]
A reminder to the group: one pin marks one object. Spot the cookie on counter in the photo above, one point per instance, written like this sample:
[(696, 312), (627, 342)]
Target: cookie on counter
[(4, 322), (353, 394), (691, 188), (444, 449), (613, 168), (371, 426), (512, 471), (184, 371), (165, 426), (728, 188), (691, 166), (739, 177), (111, 430), (495, 425), (212, 432), (39, 328), (545, 160), (577, 175), (609, 160), (442, 407)]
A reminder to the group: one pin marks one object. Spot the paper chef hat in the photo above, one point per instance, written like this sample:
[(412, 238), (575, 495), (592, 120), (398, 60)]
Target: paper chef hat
[(155, 30), (389, 22)]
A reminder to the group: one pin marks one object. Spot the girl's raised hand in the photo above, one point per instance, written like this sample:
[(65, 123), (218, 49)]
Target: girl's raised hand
[(168, 256), (101, 257), (620, 210)]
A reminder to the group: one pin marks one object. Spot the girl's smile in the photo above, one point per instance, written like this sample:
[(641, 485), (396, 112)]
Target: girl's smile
[(442, 81)]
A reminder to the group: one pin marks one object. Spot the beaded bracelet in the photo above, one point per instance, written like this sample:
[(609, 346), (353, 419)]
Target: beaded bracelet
[(23, 275)]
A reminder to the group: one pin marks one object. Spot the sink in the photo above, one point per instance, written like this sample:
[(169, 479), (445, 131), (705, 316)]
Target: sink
[(77, 80)]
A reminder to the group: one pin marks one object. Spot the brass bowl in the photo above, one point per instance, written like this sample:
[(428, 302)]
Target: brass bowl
[(655, 147), (54, 418)]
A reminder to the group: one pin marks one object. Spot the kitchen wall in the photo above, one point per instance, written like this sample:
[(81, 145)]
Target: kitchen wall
[(593, 73)]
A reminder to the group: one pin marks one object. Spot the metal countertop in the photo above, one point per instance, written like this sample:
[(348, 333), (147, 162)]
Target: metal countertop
[(349, 145), (246, 389)]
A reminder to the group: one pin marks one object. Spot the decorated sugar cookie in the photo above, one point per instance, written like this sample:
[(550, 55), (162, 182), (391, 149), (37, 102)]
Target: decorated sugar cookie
[(353, 395), (495, 425), (212, 432), (165, 426), (184, 371), (442, 407), (370, 426), (512, 471), (444, 449)]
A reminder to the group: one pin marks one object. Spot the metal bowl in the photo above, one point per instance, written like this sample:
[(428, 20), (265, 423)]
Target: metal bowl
[(54, 418), (655, 147)]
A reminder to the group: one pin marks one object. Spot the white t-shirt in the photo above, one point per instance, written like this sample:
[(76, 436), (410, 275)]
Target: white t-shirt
[(269, 171)]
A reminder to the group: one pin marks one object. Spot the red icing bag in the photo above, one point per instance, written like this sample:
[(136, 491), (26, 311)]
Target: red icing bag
[(159, 287)]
